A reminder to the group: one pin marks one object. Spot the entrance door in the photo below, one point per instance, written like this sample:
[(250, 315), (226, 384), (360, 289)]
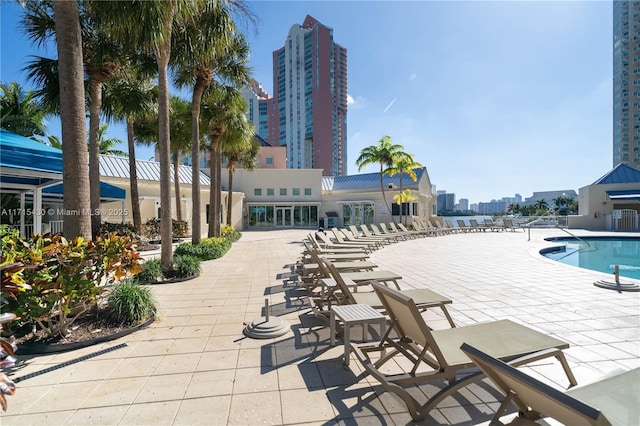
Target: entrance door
[(283, 217)]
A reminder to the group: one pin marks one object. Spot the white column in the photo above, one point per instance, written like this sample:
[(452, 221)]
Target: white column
[(37, 207), (22, 212)]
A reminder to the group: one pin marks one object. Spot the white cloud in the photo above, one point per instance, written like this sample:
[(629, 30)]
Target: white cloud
[(358, 102)]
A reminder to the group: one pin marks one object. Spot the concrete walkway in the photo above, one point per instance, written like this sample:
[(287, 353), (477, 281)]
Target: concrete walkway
[(194, 366)]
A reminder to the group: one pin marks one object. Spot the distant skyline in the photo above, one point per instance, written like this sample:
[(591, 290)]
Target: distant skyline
[(494, 98)]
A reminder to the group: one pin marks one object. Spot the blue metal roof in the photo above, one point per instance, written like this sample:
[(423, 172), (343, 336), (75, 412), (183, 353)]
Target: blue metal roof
[(622, 173), (107, 191), (19, 152), (368, 181), (26, 162)]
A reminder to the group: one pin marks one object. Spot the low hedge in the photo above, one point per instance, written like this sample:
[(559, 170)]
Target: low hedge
[(209, 248)]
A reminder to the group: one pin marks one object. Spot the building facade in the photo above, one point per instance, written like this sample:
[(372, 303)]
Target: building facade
[(626, 83), (308, 112), (258, 104)]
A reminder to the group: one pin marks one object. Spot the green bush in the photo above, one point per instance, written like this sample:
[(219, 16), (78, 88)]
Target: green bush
[(230, 233), (179, 228), (186, 266), (65, 277), (130, 303), (151, 270), (209, 248)]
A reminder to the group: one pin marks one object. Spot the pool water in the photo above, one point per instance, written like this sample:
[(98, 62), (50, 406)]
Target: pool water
[(599, 254)]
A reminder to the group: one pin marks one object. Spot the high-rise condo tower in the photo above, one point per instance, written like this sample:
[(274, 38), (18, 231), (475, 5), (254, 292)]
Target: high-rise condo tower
[(308, 111), (626, 83)]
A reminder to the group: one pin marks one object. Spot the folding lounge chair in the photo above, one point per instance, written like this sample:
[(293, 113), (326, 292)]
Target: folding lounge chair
[(355, 236), (451, 227), (436, 354), (333, 249), (463, 226), (383, 231), (368, 233), (342, 238), (424, 298), (475, 225), (402, 231), (508, 224), (327, 243), (610, 401)]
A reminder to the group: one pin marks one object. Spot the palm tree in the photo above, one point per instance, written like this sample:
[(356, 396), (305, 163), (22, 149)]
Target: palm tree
[(130, 97), (20, 112), (148, 25), (54, 141), (223, 106), (541, 205), (74, 155), (106, 145), (180, 143), (207, 48), (385, 154), (514, 208), (404, 164), (100, 60), (239, 146)]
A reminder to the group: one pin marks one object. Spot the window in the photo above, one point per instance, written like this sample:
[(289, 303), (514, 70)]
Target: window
[(307, 191), (269, 160), (257, 191), (270, 191), (283, 191), (296, 191)]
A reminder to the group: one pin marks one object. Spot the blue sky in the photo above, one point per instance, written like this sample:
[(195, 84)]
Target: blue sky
[(494, 98)]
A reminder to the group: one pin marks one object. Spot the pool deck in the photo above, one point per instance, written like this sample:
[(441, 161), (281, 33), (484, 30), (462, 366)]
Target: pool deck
[(194, 366)]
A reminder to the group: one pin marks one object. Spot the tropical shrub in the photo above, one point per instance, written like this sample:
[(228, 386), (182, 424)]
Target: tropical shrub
[(123, 229), (186, 266), (228, 231), (151, 270), (65, 277), (151, 229), (180, 228), (130, 303), (209, 248)]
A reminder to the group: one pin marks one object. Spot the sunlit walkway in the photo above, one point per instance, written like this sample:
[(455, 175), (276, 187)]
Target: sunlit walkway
[(193, 365)]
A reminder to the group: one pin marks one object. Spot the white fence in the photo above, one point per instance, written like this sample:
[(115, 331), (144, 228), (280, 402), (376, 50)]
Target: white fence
[(625, 220)]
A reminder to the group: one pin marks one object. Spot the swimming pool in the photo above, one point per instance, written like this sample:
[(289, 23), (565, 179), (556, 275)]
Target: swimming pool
[(598, 254)]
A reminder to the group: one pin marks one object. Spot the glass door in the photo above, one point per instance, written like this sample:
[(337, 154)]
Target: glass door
[(283, 217)]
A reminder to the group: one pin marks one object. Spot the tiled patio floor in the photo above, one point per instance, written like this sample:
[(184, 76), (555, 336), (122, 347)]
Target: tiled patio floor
[(194, 366)]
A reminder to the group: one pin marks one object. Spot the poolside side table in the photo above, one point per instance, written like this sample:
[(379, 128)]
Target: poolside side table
[(354, 315)]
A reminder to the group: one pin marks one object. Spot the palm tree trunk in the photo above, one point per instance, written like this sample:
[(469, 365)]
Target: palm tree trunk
[(230, 191), (176, 183), (196, 221), (214, 190), (133, 177), (75, 176), (213, 199), (384, 195), (219, 189), (401, 201), (164, 142), (95, 102)]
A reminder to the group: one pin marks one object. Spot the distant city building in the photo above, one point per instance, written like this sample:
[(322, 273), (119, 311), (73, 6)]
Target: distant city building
[(308, 112), (257, 113), (493, 207), (549, 196), (446, 202), (626, 83), (463, 204)]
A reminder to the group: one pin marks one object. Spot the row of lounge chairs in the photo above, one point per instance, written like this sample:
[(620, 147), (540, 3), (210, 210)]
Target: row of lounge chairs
[(413, 353)]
